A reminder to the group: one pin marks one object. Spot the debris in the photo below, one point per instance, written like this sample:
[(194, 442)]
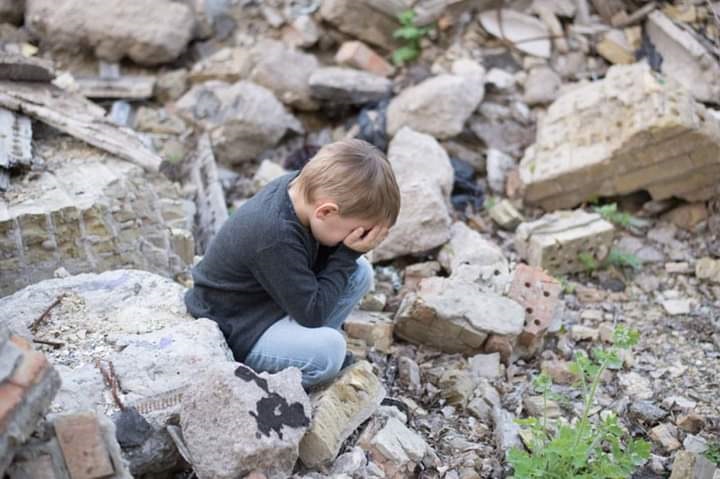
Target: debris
[(692, 423), (27, 390), (438, 106), (505, 215), (395, 448), (125, 87), (541, 86), (559, 371), (539, 294), (687, 216), (82, 445), (358, 55), (666, 436), (685, 59), (557, 242), (77, 117), (565, 168), (21, 68), (235, 420), (454, 316), (111, 28), (675, 307), (15, 145), (227, 64), (526, 33), (584, 333), (409, 374), (485, 365), (338, 410), (647, 412), (242, 119), (171, 85), (302, 32), (695, 444), (348, 86), (424, 220), (615, 48), (376, 329), (692, 466), (507, 432), (636, 385), (374, 302), (499, 164), (535, 406)]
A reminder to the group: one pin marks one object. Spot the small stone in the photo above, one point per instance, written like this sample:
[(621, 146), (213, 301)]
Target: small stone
[(500, 79), (683, 403), (171, 85), (665, 435), (268, 171), (559, 371), (374, 302), (505, 215), (409, 374), (691, 423), (507, 432), (588, 315), (376, 329), (307, 31), (349, 463), (131, 428), (695, 444), (542, 86), (636, 385), (678, 268), (692, 466), (535, 406), (358, 55), (485, 365), (647, 412), (584, 333), (348, 86), (708, 269), (498, 166), (675, 307), (458, 386), (687, 216)]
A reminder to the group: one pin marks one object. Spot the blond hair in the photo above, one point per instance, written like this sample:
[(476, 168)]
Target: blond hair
[(355, 175)]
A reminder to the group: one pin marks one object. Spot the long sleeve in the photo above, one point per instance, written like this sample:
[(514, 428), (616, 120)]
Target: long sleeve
[(283, 271)]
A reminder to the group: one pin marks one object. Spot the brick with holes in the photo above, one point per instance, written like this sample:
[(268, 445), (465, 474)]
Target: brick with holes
[(539, 294), (565, 241)]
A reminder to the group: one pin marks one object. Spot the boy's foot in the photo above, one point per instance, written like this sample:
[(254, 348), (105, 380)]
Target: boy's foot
[(349, 360)]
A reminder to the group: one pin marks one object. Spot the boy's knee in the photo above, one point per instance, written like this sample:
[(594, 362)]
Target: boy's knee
[(364, 276), (330, 356)]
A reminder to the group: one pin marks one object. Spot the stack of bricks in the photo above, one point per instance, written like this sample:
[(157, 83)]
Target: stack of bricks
[(91, 213), (28, 384), (631, 131)]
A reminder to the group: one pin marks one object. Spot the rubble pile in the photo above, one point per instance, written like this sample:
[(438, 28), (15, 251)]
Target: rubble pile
[(558, 163)]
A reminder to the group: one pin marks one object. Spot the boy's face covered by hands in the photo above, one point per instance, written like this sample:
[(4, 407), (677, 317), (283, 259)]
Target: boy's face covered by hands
[(330, 229)]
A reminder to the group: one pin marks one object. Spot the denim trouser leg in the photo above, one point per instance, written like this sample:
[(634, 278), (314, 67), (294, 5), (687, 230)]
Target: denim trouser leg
[(317, 352)]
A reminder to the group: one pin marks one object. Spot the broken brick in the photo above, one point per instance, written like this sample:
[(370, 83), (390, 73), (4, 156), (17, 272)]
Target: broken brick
[(539, 294), (631, 131), (358, 55), (83, 447)]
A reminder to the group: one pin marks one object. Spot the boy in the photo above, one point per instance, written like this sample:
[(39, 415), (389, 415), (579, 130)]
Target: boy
[(285, 270)]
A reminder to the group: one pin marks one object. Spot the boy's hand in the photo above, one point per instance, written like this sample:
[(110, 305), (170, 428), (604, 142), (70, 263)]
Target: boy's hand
[(357, 240)]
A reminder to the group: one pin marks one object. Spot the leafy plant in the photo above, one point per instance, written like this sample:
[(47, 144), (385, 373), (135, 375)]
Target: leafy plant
[(411, 34), (567, 286), (610, 213), (583, 449), (614, 258), (713, 452)]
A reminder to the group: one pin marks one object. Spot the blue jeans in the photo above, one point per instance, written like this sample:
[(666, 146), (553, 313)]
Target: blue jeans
[(317, 352)]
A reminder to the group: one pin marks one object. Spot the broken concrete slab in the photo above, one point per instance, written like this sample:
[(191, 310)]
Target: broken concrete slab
[(424, 219), (26, 395), (18, 67), (376, 329), (438, 106), (235, 421), (111, 30), (359, 19), (394, 447), (338, 410), (557, 242), (93, 213), (77, 116), (348, 86), (243, 119), (709, 269), (685, 59), (454, 316), (631, 131), (525, 32)]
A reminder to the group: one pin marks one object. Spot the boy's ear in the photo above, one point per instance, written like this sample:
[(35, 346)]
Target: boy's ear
[(326, 209)]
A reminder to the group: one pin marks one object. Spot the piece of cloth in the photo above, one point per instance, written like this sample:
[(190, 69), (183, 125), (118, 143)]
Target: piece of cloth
[(319, 353), (263, 265)]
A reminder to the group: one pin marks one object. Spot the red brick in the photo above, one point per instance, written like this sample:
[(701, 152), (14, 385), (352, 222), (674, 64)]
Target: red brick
[(83, 447), (499, 344), (359, 55), (539, 294), (11, 396)]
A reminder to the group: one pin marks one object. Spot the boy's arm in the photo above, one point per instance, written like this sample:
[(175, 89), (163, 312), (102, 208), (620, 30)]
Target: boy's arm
[(282, 269)]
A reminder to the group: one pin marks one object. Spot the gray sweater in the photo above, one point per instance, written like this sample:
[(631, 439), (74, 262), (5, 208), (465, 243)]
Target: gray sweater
[(264, 264)]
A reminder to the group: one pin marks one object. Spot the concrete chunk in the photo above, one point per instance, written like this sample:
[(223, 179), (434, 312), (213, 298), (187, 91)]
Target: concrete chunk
[(556, 241), (338, 411), (631, 131), (376, 329), (348, 86)]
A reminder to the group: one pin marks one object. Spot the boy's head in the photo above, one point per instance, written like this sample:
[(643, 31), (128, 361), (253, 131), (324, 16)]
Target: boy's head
[(348, 184)]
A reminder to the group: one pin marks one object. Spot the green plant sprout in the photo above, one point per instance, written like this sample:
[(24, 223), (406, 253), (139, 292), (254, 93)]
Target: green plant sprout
[(584, 449), (610, 213), (614, 258), (411, 34)]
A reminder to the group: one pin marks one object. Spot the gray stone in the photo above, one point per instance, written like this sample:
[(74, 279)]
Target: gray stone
[(453, 315), (695, 444), (111, 28), (290, 85), (348, 86), (542, 86), (397, 449), (157, 454), (471, 257), (647, 412), (338, 411), (636, 385), (507, 432), (235, 421), (425, 177), (243, 119), (485, 365), (227, 64), (499, 164), (438, 106), (90, 211), (692, 466), (171, 85), (409, 374), (131, 428), (358, 19), (350, 463)]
